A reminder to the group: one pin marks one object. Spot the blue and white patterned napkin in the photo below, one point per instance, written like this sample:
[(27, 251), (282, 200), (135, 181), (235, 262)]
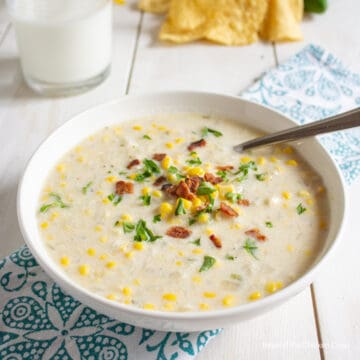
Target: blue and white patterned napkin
[(38, 320), (312, 85)]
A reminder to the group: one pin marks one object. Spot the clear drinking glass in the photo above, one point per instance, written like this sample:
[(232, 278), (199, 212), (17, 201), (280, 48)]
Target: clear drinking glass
[(65, 45)]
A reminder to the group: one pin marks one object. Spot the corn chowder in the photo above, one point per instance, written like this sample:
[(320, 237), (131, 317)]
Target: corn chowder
[(161, 213)]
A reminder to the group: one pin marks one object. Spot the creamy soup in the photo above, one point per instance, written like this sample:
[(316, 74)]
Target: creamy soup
[(161, 213)]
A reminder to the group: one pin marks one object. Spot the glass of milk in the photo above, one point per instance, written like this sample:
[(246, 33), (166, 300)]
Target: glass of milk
[(64, 45)]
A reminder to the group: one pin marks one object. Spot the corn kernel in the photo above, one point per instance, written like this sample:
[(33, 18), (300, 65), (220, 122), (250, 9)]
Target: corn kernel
[(255, 296), (195, 171), (279, 285), (99, 192), (279, 168), (285, 205), (169, 297), (272, 286), (157, 193), (145, 190), (126, 217), (209, 231), (78, 149), (63, 184), (310, 201), (137, 127), (137, 282), (197, 279), (197, 251), (245, 159), (60, 168), (149, 306), (290, 248), (84, 270), (209, 295), (286, 195), (187, 204), (166, 162), (169, 306), (292, 162), (224, 189), (127, 291), (103, 239), (204, 306), (169, 145), (273, 159), (179, 140), (129, 254), (261, 160), (111, 179), (53, 216), (132, 176), (165, 209), (196, 203), (91, 251), (103, 257), (228, 300), (303, 193), (127, 301), (118, 130), (138, 245), (111, 297), (172, 178), (98, 228), (110, 264), (105, 201), (178, 263), (44, 225), (80, 159), (181, 253), (288, 150), (64, 261)]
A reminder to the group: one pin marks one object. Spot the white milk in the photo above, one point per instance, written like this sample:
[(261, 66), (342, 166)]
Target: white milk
[(63, 41)]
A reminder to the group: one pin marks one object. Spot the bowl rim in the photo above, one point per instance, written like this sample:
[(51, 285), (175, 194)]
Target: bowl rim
[(87, 296)]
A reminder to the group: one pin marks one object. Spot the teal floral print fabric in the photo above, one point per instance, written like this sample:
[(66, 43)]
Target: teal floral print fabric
[(38, 320), (310, 86)]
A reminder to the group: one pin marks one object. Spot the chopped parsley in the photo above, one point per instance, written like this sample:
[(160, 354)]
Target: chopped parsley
[(143, 233), (175, 171), (243, 170), (180, 209), (223, 174), (149, 169), (208, 262), (269, 224), (236, 277), (147, 137), (128, 227), (115, 198), (260, 177), (196, 242), (146, 199), (300, 209), (233, 197), (122, 173), (194, 161), (85, 189), (156, 218), (205, 188), (250, 247), (56, 203), (229, 257), (206, 131)]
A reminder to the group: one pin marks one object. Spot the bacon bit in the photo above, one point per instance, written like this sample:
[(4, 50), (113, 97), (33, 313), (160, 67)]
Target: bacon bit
[(123, 187), (133, 163), (193, 183), (216, 241), (159, 157), (159, 180), (228, 210), (169, 188), (178, 232), (195, 144), (183, 191), (255, 233), (212, 179), (225, 167), (243, 202)]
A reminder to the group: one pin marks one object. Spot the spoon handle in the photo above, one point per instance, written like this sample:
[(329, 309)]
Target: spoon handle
[(342, 121)]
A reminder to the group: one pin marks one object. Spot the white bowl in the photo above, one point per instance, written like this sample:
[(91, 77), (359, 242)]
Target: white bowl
[(126, 108)]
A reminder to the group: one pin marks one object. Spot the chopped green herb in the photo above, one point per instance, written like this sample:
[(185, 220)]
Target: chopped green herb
[(223, 174), (208, 262), (128, 227), (147, 137), (233, 197), (244, 170), (236, 277), (269, 224), (146, 199), (122, 173), (180, 209), (143, 233), (193, 153), (115, 198), (206, 131), (260, 177), (229, 257), (196, 242), (86, 187), (173, 170), (117, 223), (205, 188), (194, 161), (141, 177), (300, 209), (56, 203), (156, 218), (250, 247), (151, 166), (192, 221)]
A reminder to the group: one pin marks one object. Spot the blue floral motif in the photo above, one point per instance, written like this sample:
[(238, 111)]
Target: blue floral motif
[(38, 320), (312, 85)]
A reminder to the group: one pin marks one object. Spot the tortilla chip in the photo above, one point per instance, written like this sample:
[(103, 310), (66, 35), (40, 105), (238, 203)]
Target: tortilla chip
[(154, 6), (229, 22), (282, 21)]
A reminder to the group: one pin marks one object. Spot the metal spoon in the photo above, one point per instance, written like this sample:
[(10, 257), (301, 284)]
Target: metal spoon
[(342, 121)]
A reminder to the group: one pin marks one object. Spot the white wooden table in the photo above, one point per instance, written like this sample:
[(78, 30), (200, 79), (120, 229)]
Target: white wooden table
[(321, 322)]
